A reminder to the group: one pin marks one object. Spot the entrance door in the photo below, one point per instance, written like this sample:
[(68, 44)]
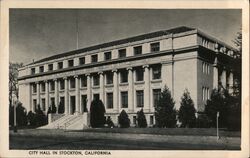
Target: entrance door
[(84, 103), (72, 104)]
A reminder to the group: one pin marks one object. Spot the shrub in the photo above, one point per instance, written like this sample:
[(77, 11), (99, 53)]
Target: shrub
[(123, 119), (21, 118), (97, 110), (31, 118), (165, 113), (110, 123), (40, 117), (141, 119), (186, 113), (203, 121)]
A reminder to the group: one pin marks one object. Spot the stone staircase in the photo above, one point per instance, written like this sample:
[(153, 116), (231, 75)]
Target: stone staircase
[(69, 122)]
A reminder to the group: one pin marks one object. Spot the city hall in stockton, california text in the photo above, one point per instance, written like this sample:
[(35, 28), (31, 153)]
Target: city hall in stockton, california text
[(128, 74)]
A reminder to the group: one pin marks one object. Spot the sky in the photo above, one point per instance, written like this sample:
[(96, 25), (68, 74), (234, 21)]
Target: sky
[(39, 33)]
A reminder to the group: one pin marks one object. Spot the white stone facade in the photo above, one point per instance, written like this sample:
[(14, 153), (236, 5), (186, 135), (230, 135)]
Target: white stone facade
[(180, 60)]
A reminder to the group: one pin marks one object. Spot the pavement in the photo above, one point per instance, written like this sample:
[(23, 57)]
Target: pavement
[(28, 139)]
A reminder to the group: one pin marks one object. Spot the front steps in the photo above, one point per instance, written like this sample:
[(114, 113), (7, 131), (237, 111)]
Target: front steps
[(69, 122)]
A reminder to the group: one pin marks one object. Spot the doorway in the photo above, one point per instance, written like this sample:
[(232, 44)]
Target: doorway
[(72, 104)]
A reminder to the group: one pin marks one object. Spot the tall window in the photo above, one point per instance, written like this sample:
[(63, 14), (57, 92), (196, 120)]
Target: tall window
[(124, 99), (109, 100), (70, 63), (140, 98), (156, 96), (50, 67), (96, 80), (41, 69), (52, 85), (81, 60), (84, 81), (139, 74), (94, 58), (43, 87), (155, 47), (60, 65), (84, 103), (72, 83), (34, 88), (109, 78), (138, 50), (107, 55), (34, 104), (156, 72), (61, 82), (122, 53), (33, 71), (124, 76), (43, 104), (52, 101)]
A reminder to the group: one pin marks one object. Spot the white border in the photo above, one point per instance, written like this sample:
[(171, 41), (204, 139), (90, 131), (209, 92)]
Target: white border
[(4, 62)]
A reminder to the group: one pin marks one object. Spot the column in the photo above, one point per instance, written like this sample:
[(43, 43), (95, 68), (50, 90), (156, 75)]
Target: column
[(215, 74), (38, 94), (147, 88), (130, 90), (101, 86), (56, 94), (89, 97), (47, 96), (231, 81), (115, 91), (77, 95), (66, 96), (224, 78)]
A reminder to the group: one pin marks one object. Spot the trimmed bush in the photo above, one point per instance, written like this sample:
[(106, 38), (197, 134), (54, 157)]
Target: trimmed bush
[(110, 123), (123, 119), (97, 110), (141, 119)]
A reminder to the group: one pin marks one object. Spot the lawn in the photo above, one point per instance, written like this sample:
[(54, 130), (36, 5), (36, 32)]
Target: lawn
[(167, 131)]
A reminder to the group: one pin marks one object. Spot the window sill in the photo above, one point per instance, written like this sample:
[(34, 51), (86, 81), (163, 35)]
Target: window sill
[(83, 88), (123, 84), (61, 90), (109, 85), (139, 82), (156, 80), (95, 87)]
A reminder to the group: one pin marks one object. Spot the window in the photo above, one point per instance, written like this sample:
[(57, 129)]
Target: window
[(94, 58), (124, 99), (156, 96), (52, 85), (155, 47), (139, 74), (61, 82), (109, 100), (134, 120), (96, 80), (43, 104), (43, 87), (84, 81), (34, 88), (138, 50), (50, 67), (81, 60), (70, 63), (156, 72), (205, 93), (52, 101), (60, 65), (140, 98), (62, 103), (151, 120), (41, 69), (122, 53), (72, 83), (84, 103), (124, 76), (107, 55), (109, 78), (33, 71), (34, 104)]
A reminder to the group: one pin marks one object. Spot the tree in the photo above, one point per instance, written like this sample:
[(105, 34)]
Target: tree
[(21, 118), (123, 119), (141, 119), (97, 111), (187, 111), (165, 113), (13, 75)]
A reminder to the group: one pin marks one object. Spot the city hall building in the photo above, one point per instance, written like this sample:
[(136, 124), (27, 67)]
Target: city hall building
[(128, 74)]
